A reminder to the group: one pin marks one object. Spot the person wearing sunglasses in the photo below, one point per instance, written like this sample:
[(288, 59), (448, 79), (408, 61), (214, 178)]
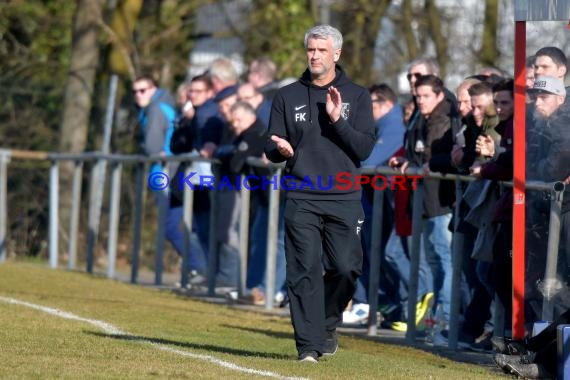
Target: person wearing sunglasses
[(157, 116), (157, 119)]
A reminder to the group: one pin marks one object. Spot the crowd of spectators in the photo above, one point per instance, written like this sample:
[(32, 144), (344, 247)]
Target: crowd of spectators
[(468, 130)]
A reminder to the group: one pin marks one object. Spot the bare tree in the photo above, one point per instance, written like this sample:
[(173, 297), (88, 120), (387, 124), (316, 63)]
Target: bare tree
[(489, 53), (407, 30), (78, 92), (120, 33), (360, 22), (81, 76), (434, 29)]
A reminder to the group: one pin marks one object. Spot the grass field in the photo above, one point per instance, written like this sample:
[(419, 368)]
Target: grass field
[(111, 330)]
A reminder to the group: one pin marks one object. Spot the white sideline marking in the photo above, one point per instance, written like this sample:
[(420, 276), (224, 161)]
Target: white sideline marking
[(110, 329)]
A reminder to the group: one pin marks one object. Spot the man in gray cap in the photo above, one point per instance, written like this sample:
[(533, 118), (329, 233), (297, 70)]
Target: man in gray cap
[(548, 154), (548, 157), (549, 93)]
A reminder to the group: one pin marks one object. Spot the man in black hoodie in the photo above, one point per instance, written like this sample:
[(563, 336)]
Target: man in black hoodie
[(321, 125)]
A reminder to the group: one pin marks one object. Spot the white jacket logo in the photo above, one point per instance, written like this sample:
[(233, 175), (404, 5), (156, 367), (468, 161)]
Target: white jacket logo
[(300, 116), (345, 110), (359, 223)]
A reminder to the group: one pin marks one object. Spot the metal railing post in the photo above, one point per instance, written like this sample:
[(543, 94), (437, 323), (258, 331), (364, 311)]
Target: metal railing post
[(376, 253), (188, 207), (272, 237), (214, 246), (417, 227), (137, 221), (74, 217), (4, 160), (550, 270), (115, 200), (53, 213), (456, 263), (163, 205), (245, 194)]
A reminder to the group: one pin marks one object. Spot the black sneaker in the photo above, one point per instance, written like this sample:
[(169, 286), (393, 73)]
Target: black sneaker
[(285, 300), (482, 344), (309, 357), (331, 344)]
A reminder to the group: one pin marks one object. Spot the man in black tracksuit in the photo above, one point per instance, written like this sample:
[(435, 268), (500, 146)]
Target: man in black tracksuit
[(321, 125)]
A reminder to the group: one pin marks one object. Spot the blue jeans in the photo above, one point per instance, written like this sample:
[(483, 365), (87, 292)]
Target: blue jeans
[(227, 237), (480, 311), (256, 276), (437, 245), (397, 257), (175, 234)]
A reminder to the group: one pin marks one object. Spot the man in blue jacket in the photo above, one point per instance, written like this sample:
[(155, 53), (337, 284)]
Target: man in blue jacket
[(322, 126), (157, 118)]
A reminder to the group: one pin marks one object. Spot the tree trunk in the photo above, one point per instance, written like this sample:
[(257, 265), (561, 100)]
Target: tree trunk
[(489, 52), (361, 23), (81, 77), (78, 94), (408, 31), (121, 34), (434, 29)]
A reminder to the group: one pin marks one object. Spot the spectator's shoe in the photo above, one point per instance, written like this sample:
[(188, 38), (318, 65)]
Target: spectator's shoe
[(440, 339), (331, 344), (255, 297), (483, 343), (509, 346), (503, 360), (232, 296), (285, 301), (309, 357), (279, 298), (529, 371), (387, 310), (395, 325), (464, 340), (196, 278), (422, 307), (358, 314)]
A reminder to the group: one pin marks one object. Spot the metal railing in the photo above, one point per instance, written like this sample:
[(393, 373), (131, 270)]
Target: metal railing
[(377, 250), (118, 161)]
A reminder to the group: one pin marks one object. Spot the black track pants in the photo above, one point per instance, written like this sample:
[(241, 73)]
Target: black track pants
[(324, 259)]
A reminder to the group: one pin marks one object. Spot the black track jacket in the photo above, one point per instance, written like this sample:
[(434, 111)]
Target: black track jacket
[(326, 155)]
